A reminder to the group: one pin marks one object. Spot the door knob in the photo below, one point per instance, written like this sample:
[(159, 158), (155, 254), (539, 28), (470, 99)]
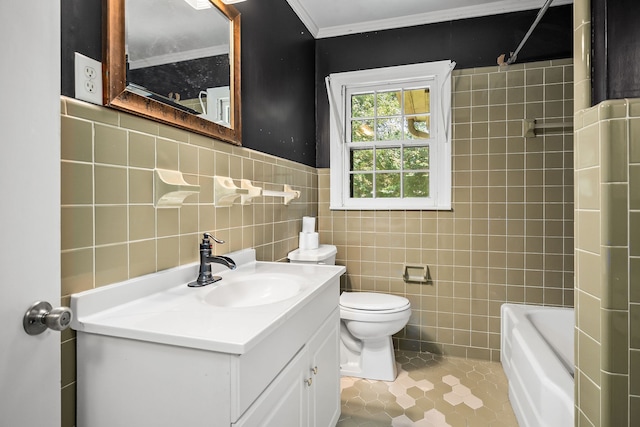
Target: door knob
[(41, 316)]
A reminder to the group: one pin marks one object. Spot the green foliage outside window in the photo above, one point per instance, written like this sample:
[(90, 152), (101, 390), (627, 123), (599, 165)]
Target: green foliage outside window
[(398, 118)]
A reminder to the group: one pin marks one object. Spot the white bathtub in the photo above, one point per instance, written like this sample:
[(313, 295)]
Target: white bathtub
[(537, 357)]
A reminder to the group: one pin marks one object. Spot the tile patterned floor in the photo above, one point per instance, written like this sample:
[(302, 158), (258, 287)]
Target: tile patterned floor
[(430, 391)]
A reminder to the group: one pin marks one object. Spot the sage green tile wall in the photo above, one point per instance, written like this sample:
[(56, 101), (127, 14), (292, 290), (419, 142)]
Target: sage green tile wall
[(607, 260), (509, 236), (111, 230)]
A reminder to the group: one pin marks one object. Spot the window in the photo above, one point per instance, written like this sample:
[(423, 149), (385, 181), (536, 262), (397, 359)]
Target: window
[(390, 137)]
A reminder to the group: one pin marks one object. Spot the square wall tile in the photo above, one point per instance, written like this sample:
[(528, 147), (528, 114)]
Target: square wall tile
[(110, 185), (634, 372), (634, 234), (167, 154), (76, 227), (634, 280), (168, 253), (588, 398), (634, 410), (615, 332), (111, 264), (77, 271), (141, 186), (615, 408), (634, 322), (142, 222), (111, 224), (76, 139), (588, 316), (613, 150), (142, 150), (615, 278), (110, 145), (76, 183), (142, 258)]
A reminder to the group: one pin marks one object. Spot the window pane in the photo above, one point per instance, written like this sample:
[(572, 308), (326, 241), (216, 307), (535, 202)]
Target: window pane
[(388, 159), (362, 130), (388, 185), (389, 129), (416, 184), (417, 101), (416, 158), (362, 105), (389, 103), (417, 127), (362, 160), (362, 185)]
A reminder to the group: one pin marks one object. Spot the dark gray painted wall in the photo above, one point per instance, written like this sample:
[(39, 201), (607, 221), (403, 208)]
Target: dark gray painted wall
[(283, 67), (473, 42), (616, 49), (278, 72), (81, 31), (278, 81)]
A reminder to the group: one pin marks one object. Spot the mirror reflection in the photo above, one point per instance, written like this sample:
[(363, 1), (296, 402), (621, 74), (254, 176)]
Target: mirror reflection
[(177, 53)]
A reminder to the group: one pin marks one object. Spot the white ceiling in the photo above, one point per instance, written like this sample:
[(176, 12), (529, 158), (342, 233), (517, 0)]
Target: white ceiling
[(329, 18)]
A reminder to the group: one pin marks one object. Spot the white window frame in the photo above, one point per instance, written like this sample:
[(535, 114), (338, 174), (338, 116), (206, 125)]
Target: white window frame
[(338, 84)]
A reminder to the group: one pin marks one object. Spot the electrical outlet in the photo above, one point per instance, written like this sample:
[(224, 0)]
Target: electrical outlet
[(89, 72), (88, 79)]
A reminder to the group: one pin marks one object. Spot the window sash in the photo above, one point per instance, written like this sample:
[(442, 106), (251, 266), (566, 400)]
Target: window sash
[(382, 87), (404, 171), (435, 76)]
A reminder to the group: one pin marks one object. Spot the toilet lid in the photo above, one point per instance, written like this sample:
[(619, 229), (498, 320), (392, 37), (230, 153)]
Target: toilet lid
[(372, 301)]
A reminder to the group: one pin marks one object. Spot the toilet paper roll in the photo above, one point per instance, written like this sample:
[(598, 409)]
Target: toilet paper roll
[(309, 241), (308, 224)]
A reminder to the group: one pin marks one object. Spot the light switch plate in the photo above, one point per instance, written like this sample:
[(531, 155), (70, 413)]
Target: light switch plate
[(88, 79)]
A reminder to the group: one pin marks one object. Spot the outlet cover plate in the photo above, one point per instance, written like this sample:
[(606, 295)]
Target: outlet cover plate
[(88, 79)]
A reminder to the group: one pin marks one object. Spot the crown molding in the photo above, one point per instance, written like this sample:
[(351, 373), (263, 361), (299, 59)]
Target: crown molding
[(493, 8), (305, 17)]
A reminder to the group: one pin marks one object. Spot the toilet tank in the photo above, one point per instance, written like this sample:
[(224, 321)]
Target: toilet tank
[(324, 254)]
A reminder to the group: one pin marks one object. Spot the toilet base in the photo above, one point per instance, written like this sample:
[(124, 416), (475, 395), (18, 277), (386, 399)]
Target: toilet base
[(376, 361)]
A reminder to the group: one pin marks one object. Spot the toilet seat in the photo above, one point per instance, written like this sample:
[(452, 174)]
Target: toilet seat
[(373, 302)]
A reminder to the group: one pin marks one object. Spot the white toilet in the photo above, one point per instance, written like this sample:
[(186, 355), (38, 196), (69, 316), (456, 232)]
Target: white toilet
[(367, 321)]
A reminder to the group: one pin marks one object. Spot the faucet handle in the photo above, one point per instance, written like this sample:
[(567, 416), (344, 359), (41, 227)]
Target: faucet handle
[(208, 236)]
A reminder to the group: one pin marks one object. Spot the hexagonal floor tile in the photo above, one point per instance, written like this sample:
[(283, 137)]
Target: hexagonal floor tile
[(430, 391)]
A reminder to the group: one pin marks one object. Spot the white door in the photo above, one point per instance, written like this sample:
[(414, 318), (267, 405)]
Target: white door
[(29, 208)]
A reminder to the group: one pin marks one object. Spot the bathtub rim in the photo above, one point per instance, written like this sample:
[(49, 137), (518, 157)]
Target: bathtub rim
[(553, 379)]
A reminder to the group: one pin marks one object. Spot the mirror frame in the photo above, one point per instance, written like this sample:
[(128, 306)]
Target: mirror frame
[(115, 79)]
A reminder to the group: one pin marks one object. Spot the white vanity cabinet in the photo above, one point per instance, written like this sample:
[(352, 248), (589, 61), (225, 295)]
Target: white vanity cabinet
[(168, 359), (306, 392), (324, 363)]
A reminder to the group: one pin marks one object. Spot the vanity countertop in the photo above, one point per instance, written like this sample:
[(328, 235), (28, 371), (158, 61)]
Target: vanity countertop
[(161, 308)]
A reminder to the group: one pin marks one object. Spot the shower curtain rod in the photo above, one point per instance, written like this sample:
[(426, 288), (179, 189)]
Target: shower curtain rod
[(514, 55)]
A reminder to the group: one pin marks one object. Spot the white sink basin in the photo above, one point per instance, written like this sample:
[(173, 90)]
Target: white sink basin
[(229, 316), (253, 290)]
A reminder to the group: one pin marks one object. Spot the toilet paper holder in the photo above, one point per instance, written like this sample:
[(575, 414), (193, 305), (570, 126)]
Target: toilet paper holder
[(416, 273)]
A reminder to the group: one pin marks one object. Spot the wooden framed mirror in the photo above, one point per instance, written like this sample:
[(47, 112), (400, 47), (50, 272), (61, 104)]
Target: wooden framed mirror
[(183, 107)]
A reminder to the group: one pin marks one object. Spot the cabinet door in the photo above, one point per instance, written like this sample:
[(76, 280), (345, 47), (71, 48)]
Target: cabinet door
[(324, 369), (284, 402)]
